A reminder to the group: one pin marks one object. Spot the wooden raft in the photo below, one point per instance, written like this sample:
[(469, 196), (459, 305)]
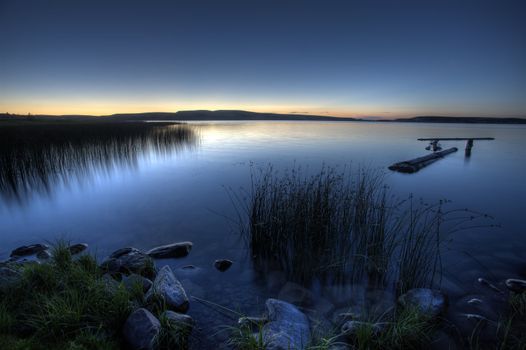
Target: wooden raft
[(413, 165)]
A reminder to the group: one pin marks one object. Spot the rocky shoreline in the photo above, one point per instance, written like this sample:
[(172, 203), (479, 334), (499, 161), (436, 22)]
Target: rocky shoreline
[(283, 326)]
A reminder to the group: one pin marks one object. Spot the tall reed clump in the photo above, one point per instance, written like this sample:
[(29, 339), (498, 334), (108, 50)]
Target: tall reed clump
[(339, 225)]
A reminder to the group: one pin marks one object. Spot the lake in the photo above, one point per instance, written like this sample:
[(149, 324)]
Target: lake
[(151, 192)]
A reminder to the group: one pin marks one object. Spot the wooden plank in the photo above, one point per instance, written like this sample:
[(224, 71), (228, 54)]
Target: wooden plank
[(456, 138), (413, 165)]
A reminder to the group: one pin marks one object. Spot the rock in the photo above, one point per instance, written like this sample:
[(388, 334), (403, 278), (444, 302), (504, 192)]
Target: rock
[(222, 264), (133, 280), (184, 321), (288, 328), (350, 328), (110, 284), (123, 251), (43, 255), (141, 330), (128, 261), (175, 250), (430, 302), (516, 285), (8, 277), (77, 248), (167, 288), (28, 249)]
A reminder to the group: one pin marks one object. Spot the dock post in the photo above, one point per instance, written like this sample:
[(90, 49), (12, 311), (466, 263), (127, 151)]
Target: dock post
[(469, 146)]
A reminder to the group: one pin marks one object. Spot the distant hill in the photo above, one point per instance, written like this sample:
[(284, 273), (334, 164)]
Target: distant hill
[(206, 115), (222, 115), (467, 120)]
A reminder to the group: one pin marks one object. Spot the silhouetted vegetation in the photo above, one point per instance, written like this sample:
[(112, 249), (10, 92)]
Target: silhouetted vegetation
[(36, 156), (343, 226)]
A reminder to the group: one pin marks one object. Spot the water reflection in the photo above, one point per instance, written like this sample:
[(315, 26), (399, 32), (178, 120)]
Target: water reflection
[(37, 158)]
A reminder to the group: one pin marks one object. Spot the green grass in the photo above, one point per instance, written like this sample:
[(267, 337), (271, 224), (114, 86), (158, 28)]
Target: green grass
[(63, 303)]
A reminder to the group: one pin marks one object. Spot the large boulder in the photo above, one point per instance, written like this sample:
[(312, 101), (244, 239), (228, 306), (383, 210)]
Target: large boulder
[(174, 250), (288, 328), (128, 261), (141, 330), (28, 249), (429, 302), (166, 288)]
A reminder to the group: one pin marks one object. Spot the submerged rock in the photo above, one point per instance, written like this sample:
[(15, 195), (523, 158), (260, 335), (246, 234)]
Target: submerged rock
[(430, 302), (288, 328), (167, 289), (516, 285), (222, 264), (175, 250), (128, 261), (141, 330), (28, 249), (77, 248)]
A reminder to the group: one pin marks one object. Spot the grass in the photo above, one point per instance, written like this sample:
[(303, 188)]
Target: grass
[(66, 303), (349, 221)]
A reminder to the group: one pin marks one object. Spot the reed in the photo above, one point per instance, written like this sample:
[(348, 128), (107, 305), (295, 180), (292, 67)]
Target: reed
[(340, 225)]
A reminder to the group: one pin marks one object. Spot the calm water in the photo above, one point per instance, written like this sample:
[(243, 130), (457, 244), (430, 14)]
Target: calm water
[(157, 193)]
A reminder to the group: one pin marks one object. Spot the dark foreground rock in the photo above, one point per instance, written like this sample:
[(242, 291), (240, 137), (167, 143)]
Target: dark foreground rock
[(430, 302), (77, 248), (28, 250), (516, 285), (129, 260), (222, 264), (141, 330), (175, 250), (166, 288), (288, 328)]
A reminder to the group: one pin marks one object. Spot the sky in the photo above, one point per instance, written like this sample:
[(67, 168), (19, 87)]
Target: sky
[(391, 58)]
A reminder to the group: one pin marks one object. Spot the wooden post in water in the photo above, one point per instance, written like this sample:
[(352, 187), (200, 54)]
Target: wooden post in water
[(469, 146), (469, 141)]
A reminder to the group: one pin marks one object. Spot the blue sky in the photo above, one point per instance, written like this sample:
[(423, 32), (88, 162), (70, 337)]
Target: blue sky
[(345, 58)]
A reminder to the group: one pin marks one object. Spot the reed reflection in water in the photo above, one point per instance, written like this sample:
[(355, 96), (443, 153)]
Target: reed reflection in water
[(36, 157)]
